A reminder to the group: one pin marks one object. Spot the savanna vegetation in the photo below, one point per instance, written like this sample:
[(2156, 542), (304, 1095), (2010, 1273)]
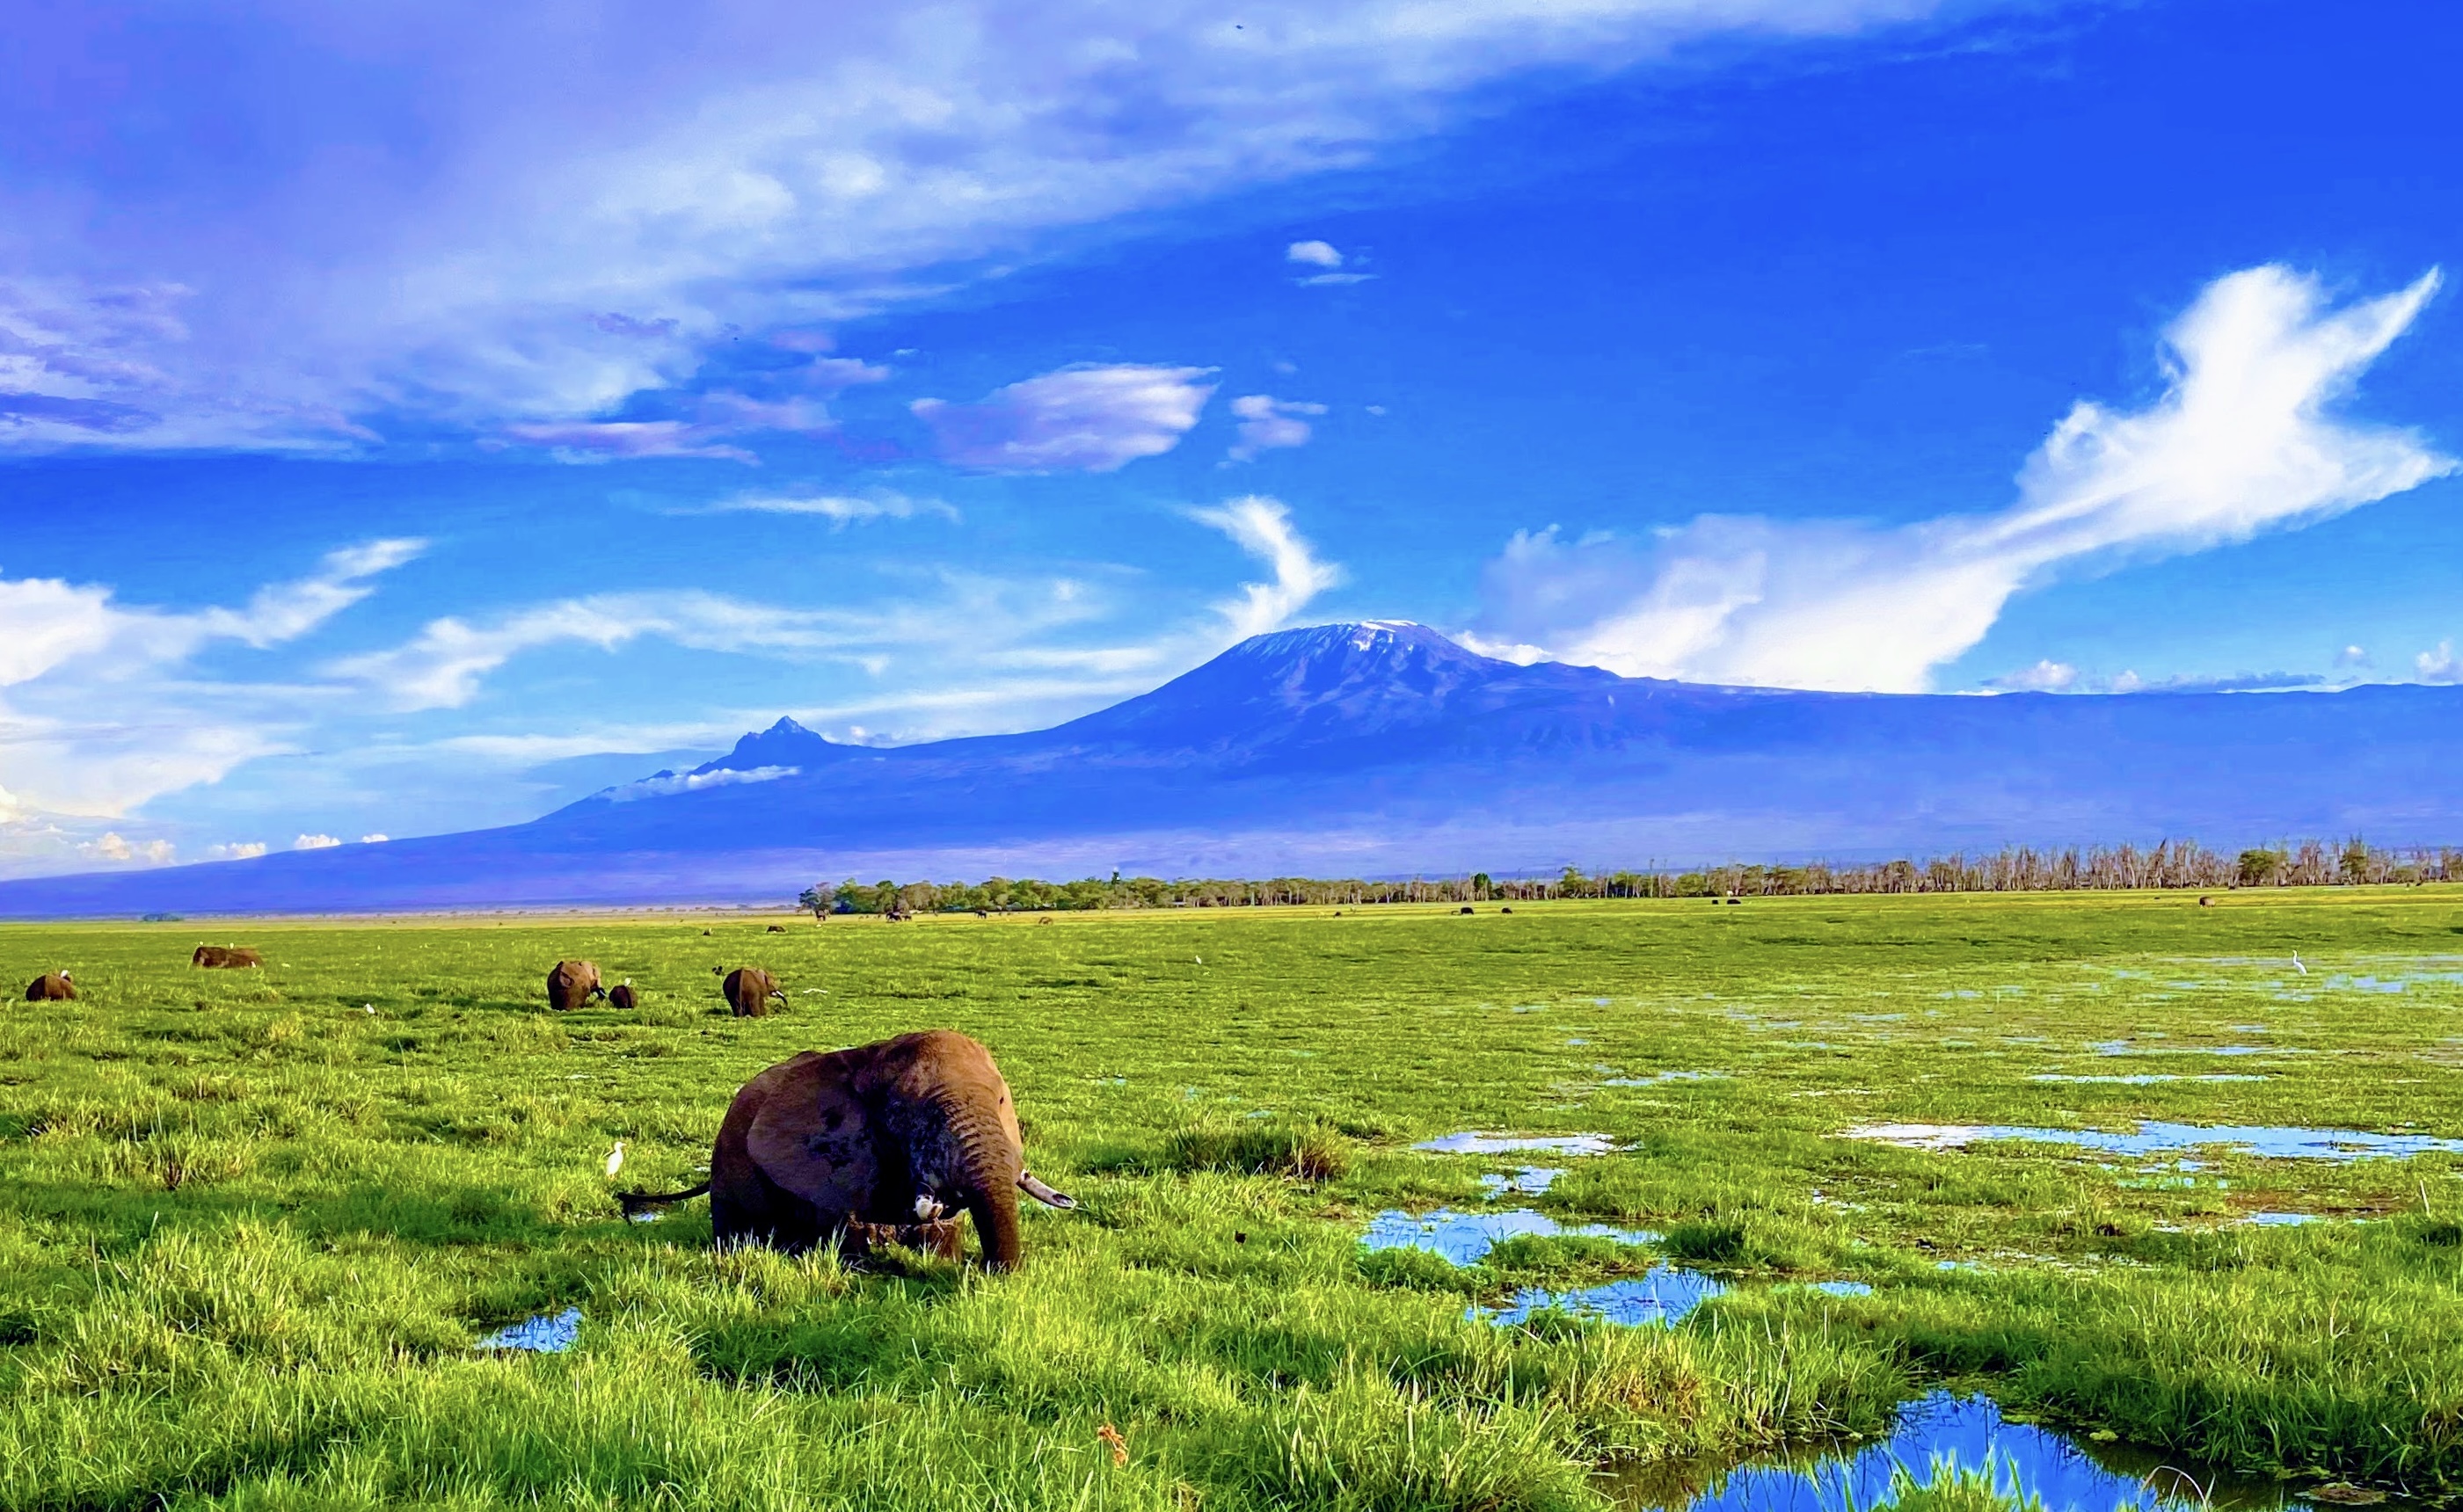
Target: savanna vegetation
[(253, 1223), (2014, 869)]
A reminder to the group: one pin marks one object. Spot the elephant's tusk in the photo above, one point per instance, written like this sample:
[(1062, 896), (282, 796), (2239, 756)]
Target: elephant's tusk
[(1043, 1194)]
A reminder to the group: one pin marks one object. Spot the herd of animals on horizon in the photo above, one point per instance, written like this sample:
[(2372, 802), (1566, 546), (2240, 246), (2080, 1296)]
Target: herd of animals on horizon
[(876, 1145)]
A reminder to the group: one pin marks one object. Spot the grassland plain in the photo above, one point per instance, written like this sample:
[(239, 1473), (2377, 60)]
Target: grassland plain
[(253, 1229)]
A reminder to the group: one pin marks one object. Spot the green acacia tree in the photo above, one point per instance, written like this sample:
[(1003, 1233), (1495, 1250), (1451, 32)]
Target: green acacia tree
[(817, 897)]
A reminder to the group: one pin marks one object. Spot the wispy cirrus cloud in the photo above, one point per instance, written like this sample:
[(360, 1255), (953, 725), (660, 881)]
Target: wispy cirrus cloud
[(2242, 441), (1263, 529), (1082, 418), (479, 242), (838, 509)]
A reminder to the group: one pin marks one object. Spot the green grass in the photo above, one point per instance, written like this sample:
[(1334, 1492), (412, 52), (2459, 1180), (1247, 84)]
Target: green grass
[(249, 1231)]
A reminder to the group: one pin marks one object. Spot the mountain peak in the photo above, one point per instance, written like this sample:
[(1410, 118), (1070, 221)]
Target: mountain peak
[(785, 743)]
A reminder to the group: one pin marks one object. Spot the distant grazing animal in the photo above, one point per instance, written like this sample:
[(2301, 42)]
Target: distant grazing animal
[(867, 1145), (52, 986), (898, 914), (1045, 920), (749, 990), (621, 997), (1735, 902), (777, 929), (573, 984), (1506, 910), (225, 956), (2206, 902), (1468, 909)]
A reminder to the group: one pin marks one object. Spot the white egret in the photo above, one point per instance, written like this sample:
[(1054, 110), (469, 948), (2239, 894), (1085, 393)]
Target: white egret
[(616, 1158), (2297, 965), (926, 1209)]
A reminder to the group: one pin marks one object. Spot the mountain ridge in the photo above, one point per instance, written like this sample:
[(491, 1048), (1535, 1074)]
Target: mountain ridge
[(1382, 747)]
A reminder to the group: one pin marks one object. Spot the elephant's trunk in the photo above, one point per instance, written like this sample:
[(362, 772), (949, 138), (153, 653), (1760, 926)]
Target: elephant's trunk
[(991, 1165)]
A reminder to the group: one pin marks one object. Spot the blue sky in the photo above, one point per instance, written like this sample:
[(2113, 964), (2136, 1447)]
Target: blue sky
[(412, 418)]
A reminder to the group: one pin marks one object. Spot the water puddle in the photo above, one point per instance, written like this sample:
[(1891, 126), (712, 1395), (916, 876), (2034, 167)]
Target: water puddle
[(1658, 1078), (2027, 1463), (2282, 1219), (1839, 1288), (540, 1335), (1529, 1181), (2274, 1143), (1465, 1239), (1474, 1142), (1664, 1295)]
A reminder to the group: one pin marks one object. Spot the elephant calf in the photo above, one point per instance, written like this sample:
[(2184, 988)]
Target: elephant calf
[(233, 957), (749, 990), (573, 984), (52, 986), (870, 1143), (622, 997)]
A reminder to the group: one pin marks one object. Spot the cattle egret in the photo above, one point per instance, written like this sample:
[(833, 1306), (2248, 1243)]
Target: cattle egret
[(2297, 965), (616, 1158), (926, 1209), (367, 1007), (1201, 961)]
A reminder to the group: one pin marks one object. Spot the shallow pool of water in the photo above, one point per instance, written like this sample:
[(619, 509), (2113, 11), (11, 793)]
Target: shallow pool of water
[(540, 1335), (1656, 1078), (2148, 1078), (1664, 1295), (2027, 1461), (1465, 1239), (1477, 1142), (2277, 1143)]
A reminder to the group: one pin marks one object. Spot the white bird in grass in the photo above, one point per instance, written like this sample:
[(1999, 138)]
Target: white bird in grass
[(2297, 965), (368, 1008), (616, 1158), (927, 1209)]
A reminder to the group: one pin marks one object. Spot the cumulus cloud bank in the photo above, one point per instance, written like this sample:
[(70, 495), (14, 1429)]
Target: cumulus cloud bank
[(2240, 442), (1082, 419)]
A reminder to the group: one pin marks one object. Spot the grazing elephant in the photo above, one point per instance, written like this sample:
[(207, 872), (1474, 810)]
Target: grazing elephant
[(870, 1143), (749, 990), (52, 986), (776, 929), (622, 997), (227, 955), (573, 984)]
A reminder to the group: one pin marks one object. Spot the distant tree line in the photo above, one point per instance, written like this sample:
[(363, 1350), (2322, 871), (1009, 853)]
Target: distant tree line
[(2015, 869)]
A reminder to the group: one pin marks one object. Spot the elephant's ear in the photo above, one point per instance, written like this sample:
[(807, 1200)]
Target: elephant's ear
[(811, 1137)]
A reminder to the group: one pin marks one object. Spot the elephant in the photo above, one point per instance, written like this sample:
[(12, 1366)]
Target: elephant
[(573, 984), (749, 990), (870, 1143), (776, 929), (52, 986), (229, 956), (622, 997)]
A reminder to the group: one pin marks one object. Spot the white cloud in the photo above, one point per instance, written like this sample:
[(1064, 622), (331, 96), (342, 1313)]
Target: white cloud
[(95, 718), (111, 847), (2044, 677), (839, 509), (2351, 657), (2240, 442), (1267, 422), (532, 245), (1082, 418), (1315, 254), (2439, 665), (373, 839), (1263, 529), (670, 782), (236, 851), (314, 842)]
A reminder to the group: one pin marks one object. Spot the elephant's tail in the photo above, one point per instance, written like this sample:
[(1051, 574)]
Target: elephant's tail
[(636, 1203)]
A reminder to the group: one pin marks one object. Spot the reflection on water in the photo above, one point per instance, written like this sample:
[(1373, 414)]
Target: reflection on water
[(2026, 1462), (1665, 1294), (1465, 1239), (2278, 1143), (1474, 1142), (542, 1335)]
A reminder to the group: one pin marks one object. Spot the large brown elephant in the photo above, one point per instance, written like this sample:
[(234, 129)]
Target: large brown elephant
[(882, 1138), (52, 986), (573, 984), (749, 990), (233, 957)]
